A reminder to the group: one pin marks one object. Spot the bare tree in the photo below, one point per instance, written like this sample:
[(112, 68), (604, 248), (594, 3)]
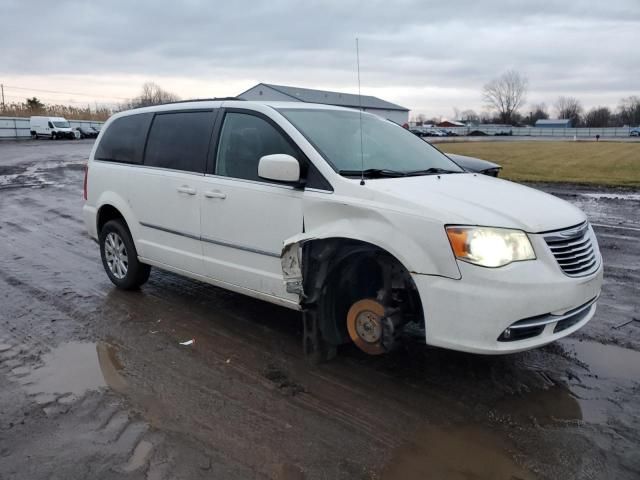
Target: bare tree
[(569, 107), (598, 117), (538, 112), (469, 116), (152, 94), (506, 94), (629, 111)]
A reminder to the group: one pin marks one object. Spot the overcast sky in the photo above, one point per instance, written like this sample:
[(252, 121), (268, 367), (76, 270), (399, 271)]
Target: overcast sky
[(428, 56)]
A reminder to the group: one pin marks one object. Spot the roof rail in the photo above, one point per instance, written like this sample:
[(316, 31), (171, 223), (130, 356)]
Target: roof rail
[(215, 99)]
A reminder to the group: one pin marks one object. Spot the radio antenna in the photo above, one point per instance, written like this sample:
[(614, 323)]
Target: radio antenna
[(360, 104)]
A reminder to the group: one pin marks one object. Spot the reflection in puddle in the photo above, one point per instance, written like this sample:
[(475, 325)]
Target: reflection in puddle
[(578, 401), (456, 453), (543, 406), (608, 361), (73, 369)]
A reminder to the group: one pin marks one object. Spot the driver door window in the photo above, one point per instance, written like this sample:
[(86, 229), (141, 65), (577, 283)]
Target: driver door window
[(243, 141)]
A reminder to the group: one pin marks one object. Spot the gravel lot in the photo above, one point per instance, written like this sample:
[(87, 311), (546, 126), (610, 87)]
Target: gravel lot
[(94, 383)]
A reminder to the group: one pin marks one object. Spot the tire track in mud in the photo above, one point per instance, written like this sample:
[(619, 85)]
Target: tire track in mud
[(252, 377), (98, 425)]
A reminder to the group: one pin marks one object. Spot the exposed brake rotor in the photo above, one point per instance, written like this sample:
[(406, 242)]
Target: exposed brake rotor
[(365, 323)]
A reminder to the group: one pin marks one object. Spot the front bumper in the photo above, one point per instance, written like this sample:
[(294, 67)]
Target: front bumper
[(472, 313)]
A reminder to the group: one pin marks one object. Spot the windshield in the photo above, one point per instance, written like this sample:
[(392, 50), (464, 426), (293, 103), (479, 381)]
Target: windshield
[(61, 124), (386, 146)]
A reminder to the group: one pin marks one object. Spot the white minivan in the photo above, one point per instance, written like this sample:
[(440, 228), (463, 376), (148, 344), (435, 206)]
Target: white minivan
[(347, 217), (50, 127)]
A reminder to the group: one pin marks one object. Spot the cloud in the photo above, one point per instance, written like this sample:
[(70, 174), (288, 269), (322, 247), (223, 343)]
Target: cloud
[(429, 56)]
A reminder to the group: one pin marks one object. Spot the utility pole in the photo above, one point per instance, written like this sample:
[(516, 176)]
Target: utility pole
[(2, 88)]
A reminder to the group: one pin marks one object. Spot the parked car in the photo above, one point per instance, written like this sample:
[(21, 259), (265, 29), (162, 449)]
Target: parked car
[(634, 132), (344, 216), (434, 132), (86, 132), (50, 127), (477, 165), (95, 128)]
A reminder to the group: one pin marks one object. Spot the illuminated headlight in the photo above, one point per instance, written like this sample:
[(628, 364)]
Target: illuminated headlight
[(490, 247)]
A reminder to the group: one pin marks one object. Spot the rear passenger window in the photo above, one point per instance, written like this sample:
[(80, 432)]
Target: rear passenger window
[(244, 140), (124, 140), (179, 141)]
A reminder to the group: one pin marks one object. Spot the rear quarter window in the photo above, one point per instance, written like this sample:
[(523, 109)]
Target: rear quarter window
[(180, 141), (124, 140)]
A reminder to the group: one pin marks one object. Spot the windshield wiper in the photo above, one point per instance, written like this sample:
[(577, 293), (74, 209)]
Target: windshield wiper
[(372, 173), (430, 171)]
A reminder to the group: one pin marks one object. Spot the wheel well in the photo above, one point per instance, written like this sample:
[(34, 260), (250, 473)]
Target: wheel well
[(106, 213), (337, 272)]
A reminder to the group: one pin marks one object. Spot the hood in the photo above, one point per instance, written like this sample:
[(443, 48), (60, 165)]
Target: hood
[(472, 164), (474, 199)]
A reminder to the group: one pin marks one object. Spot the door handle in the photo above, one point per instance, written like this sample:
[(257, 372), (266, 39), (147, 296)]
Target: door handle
[(215, 194), (186, 189)]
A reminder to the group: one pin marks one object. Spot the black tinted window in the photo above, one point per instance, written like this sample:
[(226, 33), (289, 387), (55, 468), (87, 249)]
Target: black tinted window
[(124, 140), (179, 141), (243, 141)]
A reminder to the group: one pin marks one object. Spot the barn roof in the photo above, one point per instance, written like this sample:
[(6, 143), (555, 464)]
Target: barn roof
[(553, 121), (310, 95)]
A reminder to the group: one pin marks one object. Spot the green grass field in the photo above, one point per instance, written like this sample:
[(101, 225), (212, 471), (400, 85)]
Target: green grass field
[(595, 163)]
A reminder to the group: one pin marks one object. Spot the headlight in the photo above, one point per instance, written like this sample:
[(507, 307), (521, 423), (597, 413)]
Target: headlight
[(490, 247)]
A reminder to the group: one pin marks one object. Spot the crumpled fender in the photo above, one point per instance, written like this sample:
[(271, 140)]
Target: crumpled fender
[(419, 244)]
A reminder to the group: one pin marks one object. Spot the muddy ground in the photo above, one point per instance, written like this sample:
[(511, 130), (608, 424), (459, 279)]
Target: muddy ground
[(94, 383)]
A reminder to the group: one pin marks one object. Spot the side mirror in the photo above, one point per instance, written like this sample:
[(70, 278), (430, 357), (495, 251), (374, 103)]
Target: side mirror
[(279, 167)]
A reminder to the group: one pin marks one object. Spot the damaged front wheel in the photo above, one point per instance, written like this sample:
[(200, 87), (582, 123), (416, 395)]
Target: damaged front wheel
[(372, 328)]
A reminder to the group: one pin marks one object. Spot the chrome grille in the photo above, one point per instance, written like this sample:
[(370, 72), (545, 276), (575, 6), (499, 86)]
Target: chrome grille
[(574, 250)]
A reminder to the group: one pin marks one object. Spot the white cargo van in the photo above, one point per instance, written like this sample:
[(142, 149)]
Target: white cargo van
[(50, 127), (345, 216)]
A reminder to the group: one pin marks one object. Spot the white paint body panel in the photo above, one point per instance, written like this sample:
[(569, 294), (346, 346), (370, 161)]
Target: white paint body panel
[(167, 200), (254, 216), (236, 229)]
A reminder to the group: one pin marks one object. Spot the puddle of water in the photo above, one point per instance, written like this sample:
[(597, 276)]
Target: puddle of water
[(578, 401), (608, 361), (74, 368), (613, 196), (455, 453), (545, 406)]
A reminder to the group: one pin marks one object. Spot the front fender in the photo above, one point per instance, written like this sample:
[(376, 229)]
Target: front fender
[(419, 244)]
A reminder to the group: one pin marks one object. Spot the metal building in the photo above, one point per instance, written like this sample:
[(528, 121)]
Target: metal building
[(554, 123), (382, 108)]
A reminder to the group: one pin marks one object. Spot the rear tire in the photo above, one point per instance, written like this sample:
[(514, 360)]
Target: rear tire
[(34, 135), (120, 258)]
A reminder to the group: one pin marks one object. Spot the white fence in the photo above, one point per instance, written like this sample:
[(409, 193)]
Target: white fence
[(545, 132), (18, 127), (12, 128)]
